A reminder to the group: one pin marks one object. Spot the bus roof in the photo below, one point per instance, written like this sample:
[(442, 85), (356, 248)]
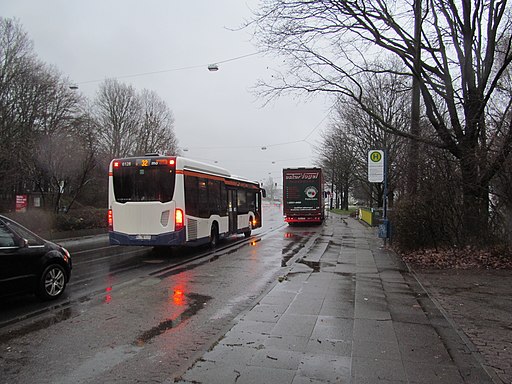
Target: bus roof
[(198, 166), (184, 163), (193, 165)]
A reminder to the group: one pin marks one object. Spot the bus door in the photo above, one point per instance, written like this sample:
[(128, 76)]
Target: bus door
[(258, 208), (232, 211)]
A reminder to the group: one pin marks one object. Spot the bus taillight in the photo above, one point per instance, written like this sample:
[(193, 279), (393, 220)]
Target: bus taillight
[(178, 219), (110, 220)]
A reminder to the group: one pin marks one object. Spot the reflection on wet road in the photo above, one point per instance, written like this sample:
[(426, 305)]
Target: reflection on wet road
[(97, 266), (134, 310), (194, 303)]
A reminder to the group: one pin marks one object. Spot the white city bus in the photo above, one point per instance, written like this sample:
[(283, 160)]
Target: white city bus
[(159, 200)]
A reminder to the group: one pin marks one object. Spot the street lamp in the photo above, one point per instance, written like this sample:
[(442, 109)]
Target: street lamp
[(213, 67)]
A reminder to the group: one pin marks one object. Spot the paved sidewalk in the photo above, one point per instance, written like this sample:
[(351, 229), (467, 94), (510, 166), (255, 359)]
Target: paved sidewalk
[(345, 311)]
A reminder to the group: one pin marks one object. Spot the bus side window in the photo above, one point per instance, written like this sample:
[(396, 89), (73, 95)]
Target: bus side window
[(204, 209), (251, 201), (223, 200), (191, 196), (214, 197), (242, 201)]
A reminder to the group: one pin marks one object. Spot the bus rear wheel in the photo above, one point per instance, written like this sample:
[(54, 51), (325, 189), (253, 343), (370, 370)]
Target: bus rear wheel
[(214, 236)]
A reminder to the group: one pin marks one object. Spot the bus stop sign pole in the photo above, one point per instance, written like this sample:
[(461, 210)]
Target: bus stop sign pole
[(377, 173)]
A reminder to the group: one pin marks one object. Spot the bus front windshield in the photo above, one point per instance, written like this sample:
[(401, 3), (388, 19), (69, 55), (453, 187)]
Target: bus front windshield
[(136, 183)]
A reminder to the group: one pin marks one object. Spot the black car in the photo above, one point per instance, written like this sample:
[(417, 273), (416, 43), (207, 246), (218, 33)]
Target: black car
[(29, 263)]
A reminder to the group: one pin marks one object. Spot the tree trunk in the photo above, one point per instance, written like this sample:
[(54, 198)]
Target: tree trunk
[(413, 146), (345, 196), (475, 202)]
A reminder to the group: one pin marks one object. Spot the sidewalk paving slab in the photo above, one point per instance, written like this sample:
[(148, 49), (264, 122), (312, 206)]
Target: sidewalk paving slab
[(346, 311)]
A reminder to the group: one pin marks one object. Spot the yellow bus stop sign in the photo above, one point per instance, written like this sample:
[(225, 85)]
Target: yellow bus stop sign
[(376, 156)]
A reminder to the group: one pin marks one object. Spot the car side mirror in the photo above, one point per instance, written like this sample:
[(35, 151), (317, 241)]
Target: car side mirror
[(23, 243)]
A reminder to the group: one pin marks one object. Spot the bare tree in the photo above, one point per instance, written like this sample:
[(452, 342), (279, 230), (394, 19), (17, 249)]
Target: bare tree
[(18, 68), (156, 131), (465, 50), (353, 132), (64, 161), (56, 152), (338, 159), (37, 108), (117, 116), (50, 143), (129, 123)]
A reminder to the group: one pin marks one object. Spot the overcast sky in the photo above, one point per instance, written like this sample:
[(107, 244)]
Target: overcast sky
[(217, 115)]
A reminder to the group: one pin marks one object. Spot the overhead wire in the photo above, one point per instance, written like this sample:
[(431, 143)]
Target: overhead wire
[(304, 140), (171, 69), (203, 66)]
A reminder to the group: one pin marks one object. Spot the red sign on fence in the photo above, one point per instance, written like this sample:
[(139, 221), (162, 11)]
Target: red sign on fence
[(21, 203)]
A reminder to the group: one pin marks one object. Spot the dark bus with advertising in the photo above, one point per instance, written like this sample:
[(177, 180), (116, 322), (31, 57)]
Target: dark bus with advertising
[(303, 195)]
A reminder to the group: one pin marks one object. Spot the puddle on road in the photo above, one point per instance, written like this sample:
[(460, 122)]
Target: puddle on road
[(314, 265), (196, 304), (292, 248)]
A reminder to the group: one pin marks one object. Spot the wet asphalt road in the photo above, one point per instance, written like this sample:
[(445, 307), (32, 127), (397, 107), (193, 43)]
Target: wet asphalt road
[(132, 315), (128, 310)]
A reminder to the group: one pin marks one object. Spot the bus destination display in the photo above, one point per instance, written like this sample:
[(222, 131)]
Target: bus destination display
[(143, 163)]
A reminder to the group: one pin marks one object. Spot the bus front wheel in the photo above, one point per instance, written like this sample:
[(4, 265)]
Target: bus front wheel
[(247, 233), (214, 236)]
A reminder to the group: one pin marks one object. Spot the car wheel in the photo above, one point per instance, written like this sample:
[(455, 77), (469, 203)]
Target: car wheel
[(52, 282)]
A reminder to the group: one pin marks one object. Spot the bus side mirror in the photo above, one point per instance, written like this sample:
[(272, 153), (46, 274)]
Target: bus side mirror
[(263, 193)]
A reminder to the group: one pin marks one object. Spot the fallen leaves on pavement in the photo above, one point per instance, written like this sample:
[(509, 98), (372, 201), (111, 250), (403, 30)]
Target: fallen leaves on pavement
[(460, 258)]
